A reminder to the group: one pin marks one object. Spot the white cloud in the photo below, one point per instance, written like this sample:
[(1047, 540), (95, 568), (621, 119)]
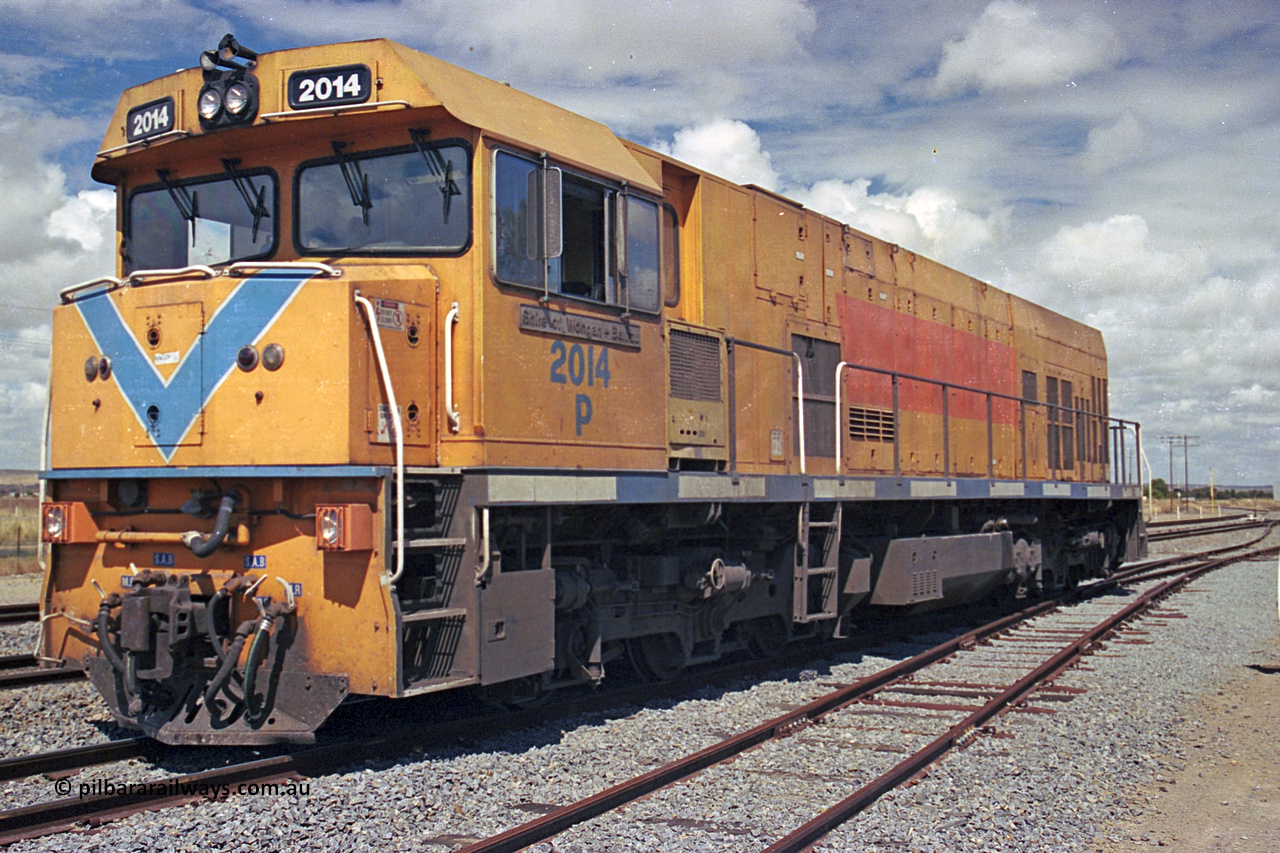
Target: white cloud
[(565, 39), (724, 147), (927, 220), (1014, 46), (112, 29), (1114, 258), (88, 218), (1254, 395), (1113, 145)]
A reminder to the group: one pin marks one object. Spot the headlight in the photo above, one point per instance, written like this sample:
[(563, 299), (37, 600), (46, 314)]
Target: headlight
[(236, 100), (330, 528), (91, 368), (210, 104), (55, 523)]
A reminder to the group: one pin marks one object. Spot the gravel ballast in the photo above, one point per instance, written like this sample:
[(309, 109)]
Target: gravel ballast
[(1060, 782)]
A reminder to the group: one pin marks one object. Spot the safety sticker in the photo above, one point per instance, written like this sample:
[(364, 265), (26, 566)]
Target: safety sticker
[(390, 314)]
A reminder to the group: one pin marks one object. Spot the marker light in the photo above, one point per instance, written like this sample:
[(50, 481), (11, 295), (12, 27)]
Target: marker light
[(272, 356), (247, 358), (344, 527), (91, 368), (67, 522), (54, 527), (330, 524)]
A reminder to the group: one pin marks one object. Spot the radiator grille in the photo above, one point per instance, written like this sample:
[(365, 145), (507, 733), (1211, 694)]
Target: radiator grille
[(695, 367), (871, 424)]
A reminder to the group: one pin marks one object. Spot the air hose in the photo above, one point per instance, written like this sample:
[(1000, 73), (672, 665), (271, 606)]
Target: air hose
[(126, 666), (228, 666), (204, 545), (212, 609), (104, 636), (257, 651)]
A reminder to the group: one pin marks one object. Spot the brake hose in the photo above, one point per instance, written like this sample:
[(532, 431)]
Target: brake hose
[(202, 545)]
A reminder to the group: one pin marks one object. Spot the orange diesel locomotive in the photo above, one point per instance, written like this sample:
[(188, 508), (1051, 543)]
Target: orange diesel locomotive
[(407, 381)]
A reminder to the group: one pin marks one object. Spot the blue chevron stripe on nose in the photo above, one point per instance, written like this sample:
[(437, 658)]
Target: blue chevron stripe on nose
[(242, 318)]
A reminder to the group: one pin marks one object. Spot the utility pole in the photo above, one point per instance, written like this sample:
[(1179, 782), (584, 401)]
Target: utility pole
[(1187, 442)]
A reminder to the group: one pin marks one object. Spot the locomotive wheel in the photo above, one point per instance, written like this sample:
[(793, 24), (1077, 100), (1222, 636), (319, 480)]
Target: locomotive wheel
[(766, 636), (656, 657), (525, 692)]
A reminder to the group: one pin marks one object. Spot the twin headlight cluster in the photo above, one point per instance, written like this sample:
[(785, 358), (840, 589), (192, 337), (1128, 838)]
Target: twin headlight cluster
[(235, 101), (229, 96)]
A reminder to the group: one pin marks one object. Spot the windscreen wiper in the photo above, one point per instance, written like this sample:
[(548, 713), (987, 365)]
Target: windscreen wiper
[(439, 166), (357, 181), (253, 196), (187, 202)]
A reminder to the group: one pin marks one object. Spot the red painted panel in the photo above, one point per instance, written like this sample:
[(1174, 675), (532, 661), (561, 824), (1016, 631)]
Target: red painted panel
[(880, 337)]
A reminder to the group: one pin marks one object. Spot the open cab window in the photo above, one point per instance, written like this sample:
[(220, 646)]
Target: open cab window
[(206, 220), (565, 233)]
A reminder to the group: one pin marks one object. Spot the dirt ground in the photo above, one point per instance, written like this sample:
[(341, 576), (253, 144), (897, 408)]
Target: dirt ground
[(1223, 792)]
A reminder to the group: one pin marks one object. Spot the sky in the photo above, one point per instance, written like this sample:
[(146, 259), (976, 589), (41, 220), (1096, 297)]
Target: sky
[(1114, 161)]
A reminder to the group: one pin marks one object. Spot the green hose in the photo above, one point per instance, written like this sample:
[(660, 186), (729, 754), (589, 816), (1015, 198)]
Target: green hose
[(256, 652)]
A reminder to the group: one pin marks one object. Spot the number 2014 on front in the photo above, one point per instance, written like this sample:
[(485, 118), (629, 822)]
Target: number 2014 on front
[(330, 87)]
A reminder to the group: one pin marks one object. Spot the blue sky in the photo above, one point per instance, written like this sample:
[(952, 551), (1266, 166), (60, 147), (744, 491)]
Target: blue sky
[(1115, 161)]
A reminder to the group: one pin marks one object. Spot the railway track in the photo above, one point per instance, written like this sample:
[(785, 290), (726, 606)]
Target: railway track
[(24, 671), (11, 614), (910, 679), (1203, 529), (905, 678)]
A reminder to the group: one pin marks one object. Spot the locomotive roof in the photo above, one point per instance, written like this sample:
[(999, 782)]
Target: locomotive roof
[(403, 74)]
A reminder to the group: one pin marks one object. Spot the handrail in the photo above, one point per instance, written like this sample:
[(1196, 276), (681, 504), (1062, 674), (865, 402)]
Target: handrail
[(897, 377), (393, 412), (242, 267), (344, 108), (180, 133), (67, 292), (450, 321), (132, 279), (139, 276)]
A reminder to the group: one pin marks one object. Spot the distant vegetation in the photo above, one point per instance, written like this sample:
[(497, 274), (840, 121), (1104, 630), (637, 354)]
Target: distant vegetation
[(19, 534), (1160, 491)]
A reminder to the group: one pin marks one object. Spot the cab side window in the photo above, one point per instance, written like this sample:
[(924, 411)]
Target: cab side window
[(566, 233)]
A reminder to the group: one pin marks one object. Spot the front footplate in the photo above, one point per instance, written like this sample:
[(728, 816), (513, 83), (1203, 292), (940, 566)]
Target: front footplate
[(294, 706)]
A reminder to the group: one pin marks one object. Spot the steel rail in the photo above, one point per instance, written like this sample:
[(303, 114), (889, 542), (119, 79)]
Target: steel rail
[(551, 824), (76, 757), (819, 826), (28, 677), (1164, 535), (12, 613), (1208, 519)]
